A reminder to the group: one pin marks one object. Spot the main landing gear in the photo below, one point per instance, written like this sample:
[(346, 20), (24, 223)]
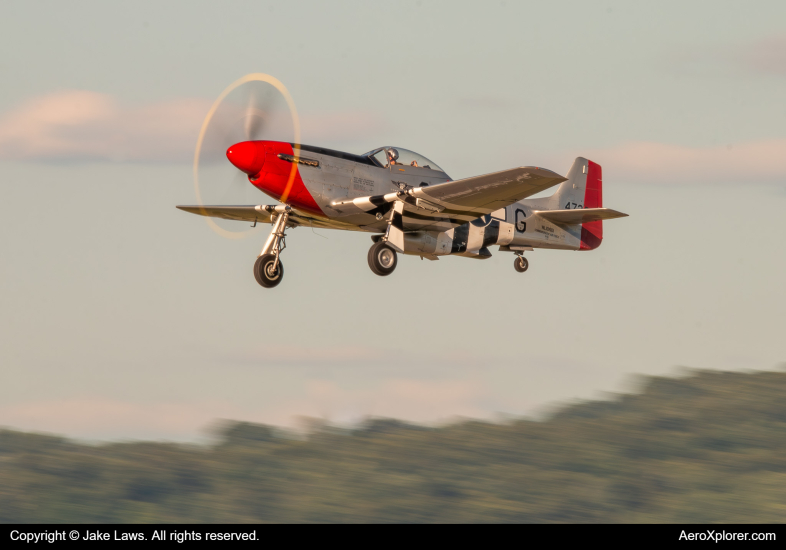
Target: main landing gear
[(382, 259), (268, 269), (520, 264)]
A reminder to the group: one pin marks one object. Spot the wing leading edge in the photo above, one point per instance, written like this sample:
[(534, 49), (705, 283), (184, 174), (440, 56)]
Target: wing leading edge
[(237, 213), (470, 198), (490, 192), (453, 203), (438, 207), (260, 213)]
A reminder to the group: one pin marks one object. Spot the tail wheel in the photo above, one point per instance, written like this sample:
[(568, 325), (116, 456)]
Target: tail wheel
[(521, 264), (382, 259), (266, 272)]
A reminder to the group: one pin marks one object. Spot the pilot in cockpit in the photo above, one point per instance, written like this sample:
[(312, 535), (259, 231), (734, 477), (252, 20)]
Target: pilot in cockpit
[(392, 156)]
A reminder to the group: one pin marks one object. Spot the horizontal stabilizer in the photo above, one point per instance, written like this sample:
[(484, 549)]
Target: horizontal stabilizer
[(579, 215)]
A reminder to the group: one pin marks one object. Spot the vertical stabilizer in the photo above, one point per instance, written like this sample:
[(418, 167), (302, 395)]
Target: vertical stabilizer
[(583, 189)]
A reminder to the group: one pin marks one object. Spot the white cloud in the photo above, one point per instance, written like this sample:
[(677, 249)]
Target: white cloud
[(767, 56), (84, 125), (763, 57), (113, 419), (661, 163), (423, 401)]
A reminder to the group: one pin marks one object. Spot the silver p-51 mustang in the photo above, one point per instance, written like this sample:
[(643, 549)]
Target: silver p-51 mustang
[(411, 206)]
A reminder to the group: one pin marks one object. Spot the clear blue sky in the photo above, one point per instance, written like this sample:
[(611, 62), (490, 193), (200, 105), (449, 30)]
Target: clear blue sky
[(123, 317)]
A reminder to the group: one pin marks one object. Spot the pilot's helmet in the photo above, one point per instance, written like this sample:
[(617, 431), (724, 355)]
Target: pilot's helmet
[(392, 154)]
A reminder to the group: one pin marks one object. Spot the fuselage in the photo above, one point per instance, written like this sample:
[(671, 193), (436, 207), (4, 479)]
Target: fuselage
[(314, 180)]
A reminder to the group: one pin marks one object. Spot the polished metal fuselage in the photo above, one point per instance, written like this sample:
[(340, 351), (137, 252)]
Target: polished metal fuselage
[(335, 180)]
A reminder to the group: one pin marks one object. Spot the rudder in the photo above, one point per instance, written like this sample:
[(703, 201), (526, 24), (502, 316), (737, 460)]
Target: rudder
[(583, 189)]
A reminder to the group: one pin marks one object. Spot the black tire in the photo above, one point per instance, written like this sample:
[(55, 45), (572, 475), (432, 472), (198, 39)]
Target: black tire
[(382, 259), (263, 271), (521, 264)]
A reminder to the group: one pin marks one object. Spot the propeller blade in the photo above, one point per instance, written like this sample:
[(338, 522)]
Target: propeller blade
[(255, 107), (258, 112), (253, 122)]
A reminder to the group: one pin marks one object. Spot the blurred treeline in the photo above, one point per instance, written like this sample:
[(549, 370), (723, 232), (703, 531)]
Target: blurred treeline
[(710, 447)]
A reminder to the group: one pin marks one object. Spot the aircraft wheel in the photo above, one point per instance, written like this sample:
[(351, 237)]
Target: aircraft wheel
[(264, 272), (382, 259), (521, 264)]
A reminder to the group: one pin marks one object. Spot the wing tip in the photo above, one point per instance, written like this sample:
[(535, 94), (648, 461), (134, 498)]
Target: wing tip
[(545, 172), (189, 208)]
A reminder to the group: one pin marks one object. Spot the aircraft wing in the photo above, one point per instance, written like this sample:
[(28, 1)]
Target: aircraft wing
[(239, 213), (579, 215), (260, 213), (453, 203), (482, 195), (464, 200)]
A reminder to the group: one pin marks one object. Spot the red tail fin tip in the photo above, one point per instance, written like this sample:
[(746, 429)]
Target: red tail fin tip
[(592, 232)]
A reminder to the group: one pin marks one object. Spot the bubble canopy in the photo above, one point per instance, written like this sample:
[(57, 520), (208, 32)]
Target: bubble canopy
[(383, 156)]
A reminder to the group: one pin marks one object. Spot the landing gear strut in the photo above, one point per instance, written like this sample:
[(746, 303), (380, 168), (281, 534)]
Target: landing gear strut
[(382, 259), (268, 269), (520, 264)]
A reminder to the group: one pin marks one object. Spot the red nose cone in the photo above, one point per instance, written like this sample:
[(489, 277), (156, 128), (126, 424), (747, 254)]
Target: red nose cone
[(248, 156)]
